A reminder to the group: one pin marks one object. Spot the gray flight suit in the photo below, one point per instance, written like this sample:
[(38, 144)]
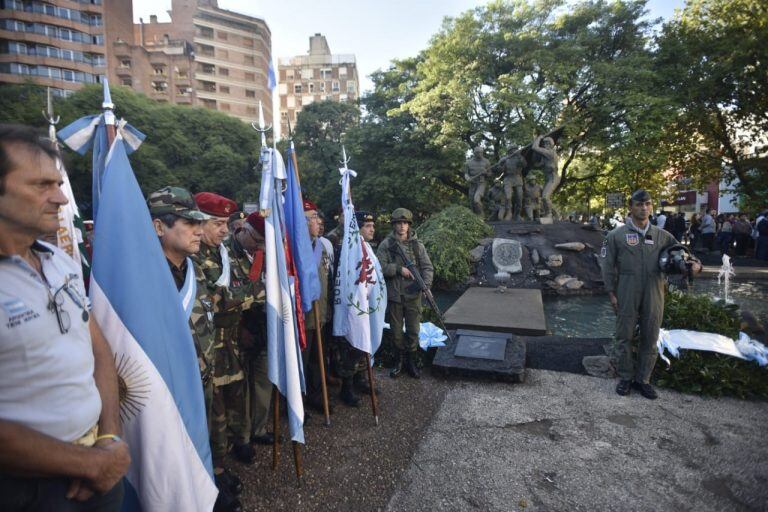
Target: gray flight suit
[(631, 270)]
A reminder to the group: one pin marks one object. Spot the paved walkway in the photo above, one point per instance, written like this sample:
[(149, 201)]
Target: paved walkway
[(568, 442)]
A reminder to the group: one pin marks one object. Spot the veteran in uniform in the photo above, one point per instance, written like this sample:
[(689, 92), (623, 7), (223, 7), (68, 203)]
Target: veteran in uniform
[(403, 292), (636, 287), (248, 252), (178, 224), (231, 297)]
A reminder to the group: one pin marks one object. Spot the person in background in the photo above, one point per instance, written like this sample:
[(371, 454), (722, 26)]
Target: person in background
[(708, 230), (725, 236), (742, 230)]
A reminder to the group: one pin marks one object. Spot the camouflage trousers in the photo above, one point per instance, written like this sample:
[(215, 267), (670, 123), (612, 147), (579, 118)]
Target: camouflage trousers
[(347, 360), (259, 391), (228, 418), (406, 312)]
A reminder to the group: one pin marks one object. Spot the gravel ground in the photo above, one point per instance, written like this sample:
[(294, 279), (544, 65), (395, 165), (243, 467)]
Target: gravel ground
[(353, 465)]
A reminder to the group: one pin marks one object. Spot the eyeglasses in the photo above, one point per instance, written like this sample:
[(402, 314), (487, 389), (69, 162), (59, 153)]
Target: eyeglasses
[(56, 304)]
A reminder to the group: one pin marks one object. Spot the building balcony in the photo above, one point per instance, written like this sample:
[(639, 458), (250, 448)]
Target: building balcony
[(121, 71)]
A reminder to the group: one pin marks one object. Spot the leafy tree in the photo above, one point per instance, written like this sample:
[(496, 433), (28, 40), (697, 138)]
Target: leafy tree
[(714, 59)]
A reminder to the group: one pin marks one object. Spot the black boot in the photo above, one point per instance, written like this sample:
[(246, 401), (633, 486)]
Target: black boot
[(362, 386), (410, 366), (398, 369), (347, 394), (244, 453), (226, 501), (229, 482)]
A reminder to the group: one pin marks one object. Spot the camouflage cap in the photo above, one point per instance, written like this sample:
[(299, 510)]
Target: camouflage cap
[(175, 200)]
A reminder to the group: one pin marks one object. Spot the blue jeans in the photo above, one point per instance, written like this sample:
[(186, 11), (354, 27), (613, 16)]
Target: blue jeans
[(49, 494)]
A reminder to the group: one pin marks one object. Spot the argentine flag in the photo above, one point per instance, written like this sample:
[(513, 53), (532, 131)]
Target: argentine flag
[(284, 353), (136, 303)]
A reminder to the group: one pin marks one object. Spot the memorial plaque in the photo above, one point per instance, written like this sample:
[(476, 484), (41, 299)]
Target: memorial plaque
[(481, 347), (506, 255)]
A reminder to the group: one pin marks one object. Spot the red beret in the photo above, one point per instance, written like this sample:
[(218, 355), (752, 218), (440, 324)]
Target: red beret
[(214, 204), (309, 205), (257, 222)]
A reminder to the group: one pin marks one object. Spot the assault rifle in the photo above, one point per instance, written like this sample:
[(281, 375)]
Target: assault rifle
[(411, 266)]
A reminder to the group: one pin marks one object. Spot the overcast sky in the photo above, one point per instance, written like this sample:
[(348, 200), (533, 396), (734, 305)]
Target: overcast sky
[(376, 31)]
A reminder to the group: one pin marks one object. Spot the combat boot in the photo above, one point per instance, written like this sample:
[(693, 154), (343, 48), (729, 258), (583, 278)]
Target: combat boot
[(398, 368), (244, 453), (228, 482), (361, 384), (226, 502), (347, 394), (410, 366)]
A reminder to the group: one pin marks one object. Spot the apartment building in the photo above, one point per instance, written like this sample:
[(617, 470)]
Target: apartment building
[(61, 44), (317, 76), (205, 56)]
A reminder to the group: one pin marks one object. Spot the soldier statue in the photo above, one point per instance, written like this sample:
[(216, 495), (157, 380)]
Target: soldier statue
[(545, 148), (476, 170), (532, 198), (512, 167)]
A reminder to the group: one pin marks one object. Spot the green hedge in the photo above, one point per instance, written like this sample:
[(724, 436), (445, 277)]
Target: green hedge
[(448, 237), (708, 373)]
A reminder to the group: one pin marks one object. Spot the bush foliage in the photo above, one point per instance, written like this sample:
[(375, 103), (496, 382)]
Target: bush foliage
[(448, 237), (708, 373)]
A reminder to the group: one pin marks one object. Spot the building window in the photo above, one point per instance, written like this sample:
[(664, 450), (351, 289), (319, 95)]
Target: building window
[(250, 110), (342, 71), (335, 86), (291, 101), (351, 86), (159, 70), (223, 72), (307, 73), (209, 103), (224, 107), (160, 86), (125, 63), (208, 69), (297, 89), (205, 50), (250, 93), (224, 89), (311, 87), (222, 35), (282, 89), (183, 91), (250, 77), (182, 73), (248, 59), (207, 33), (223, 54), (127, 82), (208, 86), (322, 86), (248, 42), (326, 73), (289, 74)]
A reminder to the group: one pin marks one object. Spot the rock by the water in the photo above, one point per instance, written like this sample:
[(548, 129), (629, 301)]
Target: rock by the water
[(506, 255), (572, 246), (535, 258), (573, 284), (543, 272), (561, 280), (555, 260), (599, 366), (476, 254), (546, 220)]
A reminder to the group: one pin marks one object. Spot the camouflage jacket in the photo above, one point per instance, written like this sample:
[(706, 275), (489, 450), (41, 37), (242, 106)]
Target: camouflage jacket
[(323, 272), (201, 319), (392, 263), (231, 300)]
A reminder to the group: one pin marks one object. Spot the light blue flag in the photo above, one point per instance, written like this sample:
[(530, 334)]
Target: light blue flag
[(136, 303), (284, 354), (298, 236), (271, 79)]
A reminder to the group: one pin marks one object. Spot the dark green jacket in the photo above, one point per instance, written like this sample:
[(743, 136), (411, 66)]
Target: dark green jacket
[(392, 263)]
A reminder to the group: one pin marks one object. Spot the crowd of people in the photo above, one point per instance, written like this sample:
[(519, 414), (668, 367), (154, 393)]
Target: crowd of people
[(60, 431)]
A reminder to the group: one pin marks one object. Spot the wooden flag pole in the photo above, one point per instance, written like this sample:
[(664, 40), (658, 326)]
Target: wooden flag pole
[(297, 461), (275, 426), (321, 362), (374, 401)]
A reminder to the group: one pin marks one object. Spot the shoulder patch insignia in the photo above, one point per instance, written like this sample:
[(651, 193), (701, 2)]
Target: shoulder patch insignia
[(633, 239)]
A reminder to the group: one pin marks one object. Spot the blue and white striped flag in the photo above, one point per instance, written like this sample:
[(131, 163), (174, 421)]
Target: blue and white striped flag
[(361, 293), (136, 303), (284, 353)]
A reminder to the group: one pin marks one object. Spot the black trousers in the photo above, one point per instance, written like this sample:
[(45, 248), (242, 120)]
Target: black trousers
[(49, 494)]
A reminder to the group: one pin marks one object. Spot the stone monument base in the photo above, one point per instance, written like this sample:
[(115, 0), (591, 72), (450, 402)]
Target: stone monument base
[(516, 311), (482, 354)]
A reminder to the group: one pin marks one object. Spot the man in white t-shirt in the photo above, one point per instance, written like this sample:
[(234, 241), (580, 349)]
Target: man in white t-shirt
[(60, 446)]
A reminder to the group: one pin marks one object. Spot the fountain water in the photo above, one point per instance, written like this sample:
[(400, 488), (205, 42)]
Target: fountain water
[(726, 273)]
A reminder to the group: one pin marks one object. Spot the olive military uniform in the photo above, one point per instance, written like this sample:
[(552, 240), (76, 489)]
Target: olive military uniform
[(404, 295), (631, 271), (229, 411)]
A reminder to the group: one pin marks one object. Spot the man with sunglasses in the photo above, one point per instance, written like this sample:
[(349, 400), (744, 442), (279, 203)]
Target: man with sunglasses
[(60, 446)]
